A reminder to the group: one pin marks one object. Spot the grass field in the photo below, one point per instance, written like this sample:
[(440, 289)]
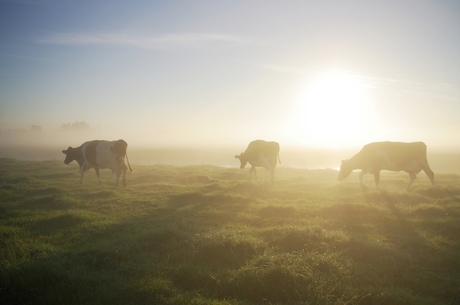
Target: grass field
[(208, 235)]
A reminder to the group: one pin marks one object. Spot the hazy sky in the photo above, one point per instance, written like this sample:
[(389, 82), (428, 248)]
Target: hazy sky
[(316, 73)]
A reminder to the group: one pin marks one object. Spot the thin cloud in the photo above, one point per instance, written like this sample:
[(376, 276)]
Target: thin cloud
[(27, 57), (34, 2), (280, 68), (148, 42), (436, 91)]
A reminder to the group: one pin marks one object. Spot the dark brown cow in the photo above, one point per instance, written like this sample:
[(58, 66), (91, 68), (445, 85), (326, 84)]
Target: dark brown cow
[(260, 153), (393, 156), (100, 154)]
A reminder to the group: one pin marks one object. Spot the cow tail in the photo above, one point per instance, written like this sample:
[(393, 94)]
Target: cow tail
[(279, 160), (129, 165)]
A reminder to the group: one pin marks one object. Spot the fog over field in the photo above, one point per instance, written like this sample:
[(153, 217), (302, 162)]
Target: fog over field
[(41, 145), (36, 144)]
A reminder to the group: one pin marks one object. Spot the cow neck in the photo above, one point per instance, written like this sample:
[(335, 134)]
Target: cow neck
[(357, 161)]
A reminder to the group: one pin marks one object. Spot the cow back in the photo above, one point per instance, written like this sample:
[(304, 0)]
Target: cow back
[(258, 147), (400, 153)]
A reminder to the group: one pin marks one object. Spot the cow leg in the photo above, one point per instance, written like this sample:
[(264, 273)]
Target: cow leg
[(271, 169), (121, 170), (117, 178), (124, 174), (363, 172), (272, 172), (411, 179), (97, 174), (430, 175), (377, 178), (82, 172)]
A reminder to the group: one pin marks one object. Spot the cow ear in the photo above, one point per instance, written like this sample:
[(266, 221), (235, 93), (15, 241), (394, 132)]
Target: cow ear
[(64, 151), (237, 156)]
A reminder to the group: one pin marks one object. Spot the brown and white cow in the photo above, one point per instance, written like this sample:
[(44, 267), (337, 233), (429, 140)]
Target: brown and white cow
[(100, 154), (392, 156), (262, 154)]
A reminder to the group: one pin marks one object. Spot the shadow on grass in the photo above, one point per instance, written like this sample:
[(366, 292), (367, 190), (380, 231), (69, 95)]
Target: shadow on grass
[(62, 222), (104, 194)]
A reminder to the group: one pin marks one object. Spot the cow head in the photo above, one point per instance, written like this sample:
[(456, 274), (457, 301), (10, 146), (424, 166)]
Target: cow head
[(243, 160), (69, 155), (345, 170)]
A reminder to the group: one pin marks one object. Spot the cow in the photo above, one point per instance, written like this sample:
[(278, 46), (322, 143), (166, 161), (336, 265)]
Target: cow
[(100, 154), (392, 156), (262, 154)]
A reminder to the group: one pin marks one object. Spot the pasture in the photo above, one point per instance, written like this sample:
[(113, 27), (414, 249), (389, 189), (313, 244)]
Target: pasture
[(206, 235)]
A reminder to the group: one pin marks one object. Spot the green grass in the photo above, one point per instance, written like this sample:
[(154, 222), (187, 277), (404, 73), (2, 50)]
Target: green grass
[(208, 235)]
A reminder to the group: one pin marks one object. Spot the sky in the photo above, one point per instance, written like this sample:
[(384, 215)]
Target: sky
[(316, 74)]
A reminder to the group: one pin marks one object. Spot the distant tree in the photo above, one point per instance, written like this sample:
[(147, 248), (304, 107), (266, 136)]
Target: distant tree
[(77, 126), (35, 128)]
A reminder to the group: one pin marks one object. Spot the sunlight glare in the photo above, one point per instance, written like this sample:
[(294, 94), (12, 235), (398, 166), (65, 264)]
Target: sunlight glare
[(333, 110)]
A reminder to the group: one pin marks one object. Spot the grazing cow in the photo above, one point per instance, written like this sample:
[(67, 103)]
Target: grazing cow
[(260, 153), (393, 156), (100, 154)]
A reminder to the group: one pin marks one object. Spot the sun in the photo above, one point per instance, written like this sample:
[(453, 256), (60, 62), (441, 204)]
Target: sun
[(334, 109)]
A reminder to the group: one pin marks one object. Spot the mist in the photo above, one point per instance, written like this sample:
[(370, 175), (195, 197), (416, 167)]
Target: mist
[(163, 147)]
